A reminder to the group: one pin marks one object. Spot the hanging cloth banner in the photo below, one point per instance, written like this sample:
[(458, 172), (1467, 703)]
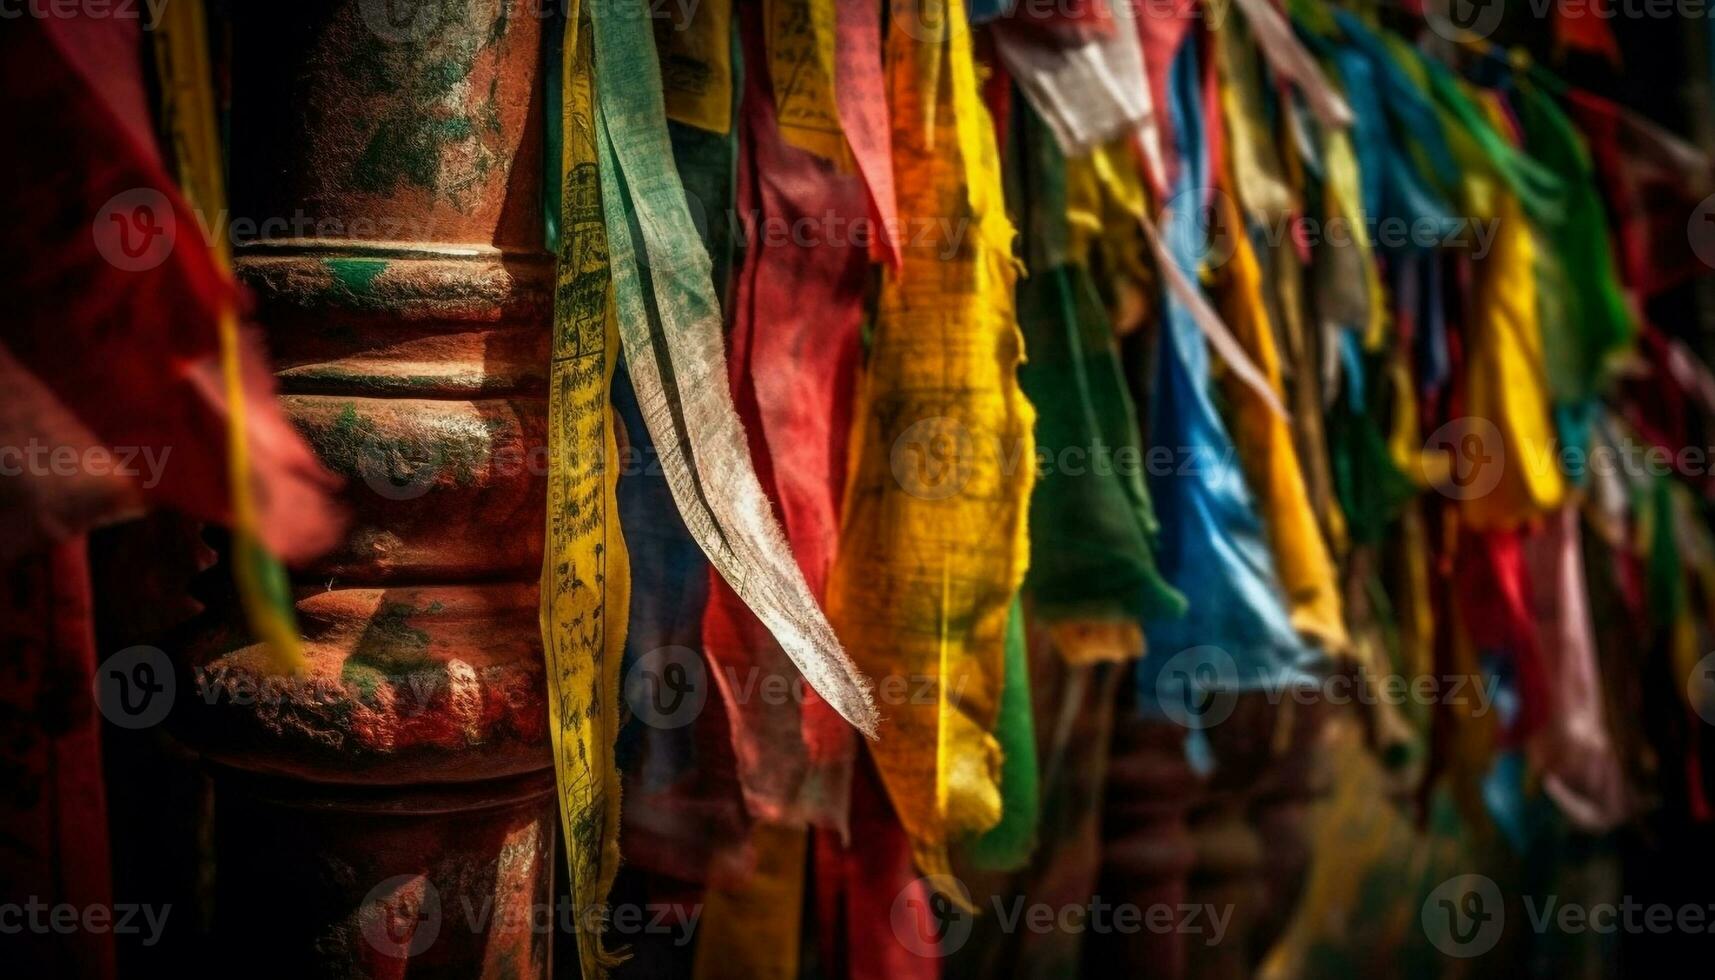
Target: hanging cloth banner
[(1212, 546), (1088, 93), (793, 358), (1290, 61), (696, 64), (670, 325), (1270, 460), (1506, 383), (585, 570), (1581, 768), (862, 100), (187, 80), (1589, 322), (933, 543), (1652, 180), (800, 39), (1092, 567)]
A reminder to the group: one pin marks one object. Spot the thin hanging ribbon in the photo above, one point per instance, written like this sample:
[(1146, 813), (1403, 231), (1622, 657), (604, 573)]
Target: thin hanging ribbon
[(1506, 382), (187, 82), (586, 583), (858, 90), (670, 326), (793, 357)]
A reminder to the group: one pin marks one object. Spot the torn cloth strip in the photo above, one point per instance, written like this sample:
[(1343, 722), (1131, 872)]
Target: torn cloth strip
[(792, 362), (862, 99), (670, 326), (585, 591), (1088, 93), (113, 258), (1092, 527), (1270, 459), (1574, 750), (932, 541), (1236, 633), (800, 40)]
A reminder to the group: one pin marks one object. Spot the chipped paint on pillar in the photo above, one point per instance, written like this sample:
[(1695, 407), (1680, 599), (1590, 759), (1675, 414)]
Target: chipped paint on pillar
[(404, 295)]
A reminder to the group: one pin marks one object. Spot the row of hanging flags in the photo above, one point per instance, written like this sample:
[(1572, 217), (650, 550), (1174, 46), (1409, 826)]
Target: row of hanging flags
[(1005, 207)]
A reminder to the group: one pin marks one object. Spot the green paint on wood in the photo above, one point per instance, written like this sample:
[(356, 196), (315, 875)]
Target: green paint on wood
[(356, 275), (424, 113)]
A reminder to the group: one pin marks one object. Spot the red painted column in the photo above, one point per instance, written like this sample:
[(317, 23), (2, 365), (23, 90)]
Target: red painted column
[(391, 814)]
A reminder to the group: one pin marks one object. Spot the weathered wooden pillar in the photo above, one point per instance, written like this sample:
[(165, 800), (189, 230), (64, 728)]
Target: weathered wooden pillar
[(391, 814), (1148, 851), (1228, 872), (1234, 841), (1297, 779)]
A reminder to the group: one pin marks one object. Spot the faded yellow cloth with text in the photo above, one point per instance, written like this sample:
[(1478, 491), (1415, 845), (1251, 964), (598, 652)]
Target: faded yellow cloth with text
[(933, 545), (586, 573)]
